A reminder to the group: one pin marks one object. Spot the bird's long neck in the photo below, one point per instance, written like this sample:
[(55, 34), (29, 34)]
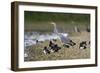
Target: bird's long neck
[(55, 29)]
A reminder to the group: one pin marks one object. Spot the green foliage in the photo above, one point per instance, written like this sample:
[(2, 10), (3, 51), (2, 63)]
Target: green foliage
[(47, 16), (41, 21)]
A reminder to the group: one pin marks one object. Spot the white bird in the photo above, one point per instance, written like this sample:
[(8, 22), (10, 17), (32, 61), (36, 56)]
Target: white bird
[(63, 36)]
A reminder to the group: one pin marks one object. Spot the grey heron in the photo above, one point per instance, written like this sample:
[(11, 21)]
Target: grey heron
[(63, 36)]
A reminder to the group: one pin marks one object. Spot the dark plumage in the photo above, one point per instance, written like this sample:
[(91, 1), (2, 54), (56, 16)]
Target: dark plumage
[(54, 47), (46, 51), (83, 45)]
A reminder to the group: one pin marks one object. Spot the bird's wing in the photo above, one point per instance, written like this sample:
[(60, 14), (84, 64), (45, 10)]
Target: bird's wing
[(64, 39)]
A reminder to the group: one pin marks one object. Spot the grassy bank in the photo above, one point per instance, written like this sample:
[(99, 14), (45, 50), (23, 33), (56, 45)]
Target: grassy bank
[(35, 53)]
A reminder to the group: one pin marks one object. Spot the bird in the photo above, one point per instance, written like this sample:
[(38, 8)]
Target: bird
[(63, 36)]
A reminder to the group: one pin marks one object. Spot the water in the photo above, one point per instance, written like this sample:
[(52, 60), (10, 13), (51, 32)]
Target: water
[(31, 38)]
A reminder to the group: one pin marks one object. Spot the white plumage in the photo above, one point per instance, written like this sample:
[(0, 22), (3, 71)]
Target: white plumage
[(63, 36)]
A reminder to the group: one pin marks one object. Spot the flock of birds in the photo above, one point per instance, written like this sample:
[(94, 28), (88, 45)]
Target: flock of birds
[(53, 47), (65, 40)]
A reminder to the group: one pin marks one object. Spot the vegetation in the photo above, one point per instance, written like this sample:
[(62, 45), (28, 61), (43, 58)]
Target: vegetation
[(35, 52), (47, 16), (40, 21)]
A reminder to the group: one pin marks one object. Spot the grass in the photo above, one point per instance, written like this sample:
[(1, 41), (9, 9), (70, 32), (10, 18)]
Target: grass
[(35, 52)]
